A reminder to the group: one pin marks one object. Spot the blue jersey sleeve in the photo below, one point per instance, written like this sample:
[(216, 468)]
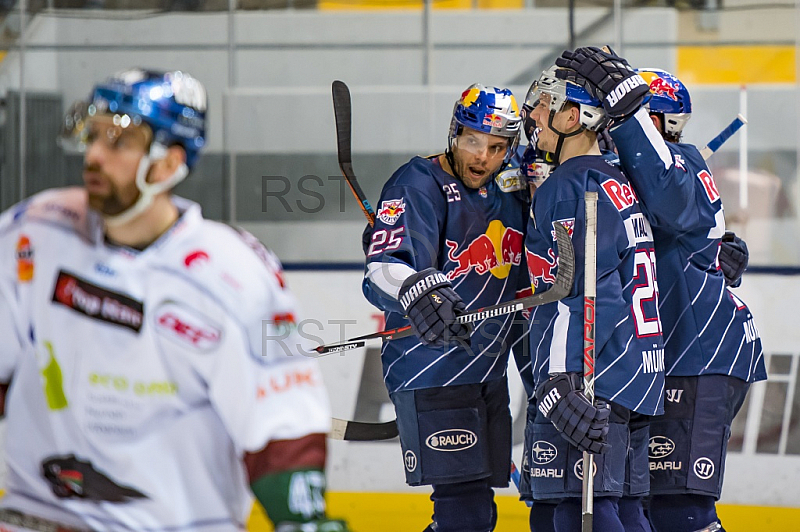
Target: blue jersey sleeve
[(406, 235), (672, 180)]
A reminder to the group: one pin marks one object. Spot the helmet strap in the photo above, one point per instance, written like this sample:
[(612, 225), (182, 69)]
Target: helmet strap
[(148, 191), (561, 137)]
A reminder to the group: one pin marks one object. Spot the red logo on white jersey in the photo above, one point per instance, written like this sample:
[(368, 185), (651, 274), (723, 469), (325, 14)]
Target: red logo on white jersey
[(283, 383), (178, 323), (709, 185), (621, 194), (195, 257)]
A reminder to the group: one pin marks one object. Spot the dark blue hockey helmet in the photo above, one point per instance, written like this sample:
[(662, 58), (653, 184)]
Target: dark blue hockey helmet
[(173, 104), (668, 96)]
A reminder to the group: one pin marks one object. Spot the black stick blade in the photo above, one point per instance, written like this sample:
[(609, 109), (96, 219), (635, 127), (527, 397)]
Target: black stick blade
[(357, 431)]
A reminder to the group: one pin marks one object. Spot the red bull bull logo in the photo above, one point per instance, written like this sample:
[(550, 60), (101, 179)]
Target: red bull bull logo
[(660, 87), (541, 268), (495, 252), (391, 210)]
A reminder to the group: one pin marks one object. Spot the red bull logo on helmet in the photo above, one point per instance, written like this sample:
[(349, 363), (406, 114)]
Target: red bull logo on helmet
[(495, 252), (659, 86), (493, 120), (540, 267), (391, 210)]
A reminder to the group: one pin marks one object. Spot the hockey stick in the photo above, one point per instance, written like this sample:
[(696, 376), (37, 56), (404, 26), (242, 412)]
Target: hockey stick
[(342, 112), (358, 431), (589, 294), (342, 429), (724, 135), (560, 289)]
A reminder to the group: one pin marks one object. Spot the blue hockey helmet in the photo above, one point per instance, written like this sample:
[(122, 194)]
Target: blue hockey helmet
[(488, 110), (173, 104), (669, 97), (592, 115)]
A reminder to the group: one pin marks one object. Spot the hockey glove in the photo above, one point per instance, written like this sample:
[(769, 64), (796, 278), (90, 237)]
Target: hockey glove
[(733, 258), (432, 306), (580, 423), (607, 77)]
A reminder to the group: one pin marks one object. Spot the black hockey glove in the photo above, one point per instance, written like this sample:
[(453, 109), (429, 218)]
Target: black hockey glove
[(607, 77), (733, 258), (580, 423), (432, 305)]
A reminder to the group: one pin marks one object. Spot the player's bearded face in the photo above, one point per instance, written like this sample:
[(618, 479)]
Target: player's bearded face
[(110, 163), (478, 156)]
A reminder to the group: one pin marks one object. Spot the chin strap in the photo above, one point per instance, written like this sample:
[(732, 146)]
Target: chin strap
[(147, 191), (561, 137)]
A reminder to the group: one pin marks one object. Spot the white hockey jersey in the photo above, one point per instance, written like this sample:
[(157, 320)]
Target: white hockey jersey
[(158, 368)]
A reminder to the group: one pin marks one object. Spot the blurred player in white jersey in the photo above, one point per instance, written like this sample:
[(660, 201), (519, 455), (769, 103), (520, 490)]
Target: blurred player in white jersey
[(154, 365)]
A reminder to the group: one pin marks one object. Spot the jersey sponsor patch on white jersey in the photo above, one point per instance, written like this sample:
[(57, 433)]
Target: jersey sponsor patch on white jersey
[(98, 303), (179, 323)]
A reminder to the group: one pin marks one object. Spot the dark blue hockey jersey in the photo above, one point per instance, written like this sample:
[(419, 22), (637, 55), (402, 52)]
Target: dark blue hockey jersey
[(427, 218), (629, 364), (707, 329)]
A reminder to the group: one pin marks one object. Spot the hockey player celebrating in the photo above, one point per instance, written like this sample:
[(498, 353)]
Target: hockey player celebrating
[(144, 395), (629, 366), (448, 237), (712, 346)]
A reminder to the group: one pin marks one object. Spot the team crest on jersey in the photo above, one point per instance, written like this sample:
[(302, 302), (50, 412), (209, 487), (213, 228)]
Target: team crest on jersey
[(679, 162), (98, 303), (569, 225), (178, 323), (24, 259), (391, 210)]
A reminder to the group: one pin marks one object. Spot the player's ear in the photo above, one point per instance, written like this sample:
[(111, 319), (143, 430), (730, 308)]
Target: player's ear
[(164, 168), (574, 119), (656, 121)]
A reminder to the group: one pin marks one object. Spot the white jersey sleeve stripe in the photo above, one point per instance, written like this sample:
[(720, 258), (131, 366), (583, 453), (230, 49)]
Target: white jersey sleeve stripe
[(388, 277), (558, 345), (643, 117)]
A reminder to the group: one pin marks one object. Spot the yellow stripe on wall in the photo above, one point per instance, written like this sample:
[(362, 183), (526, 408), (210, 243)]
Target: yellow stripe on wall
[(375, 5), (408, 512), (736, 64), (2, 56)]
